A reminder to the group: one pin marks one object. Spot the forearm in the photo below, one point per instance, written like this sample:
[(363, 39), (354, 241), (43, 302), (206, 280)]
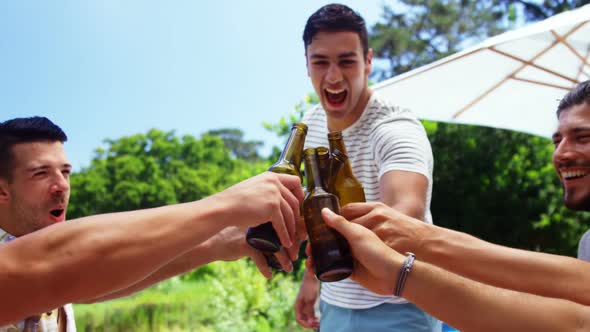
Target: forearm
[(93, 256), (202, 254), (472, 306), (410, 207), (526, 271)]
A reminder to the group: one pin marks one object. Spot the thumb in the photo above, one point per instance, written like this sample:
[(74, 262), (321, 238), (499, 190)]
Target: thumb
[(337, 222)]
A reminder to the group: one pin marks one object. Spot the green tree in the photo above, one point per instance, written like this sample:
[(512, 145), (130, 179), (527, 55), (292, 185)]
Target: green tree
[(540, 10), (233, 138), (501, 186), (154, 169), (413, 33)]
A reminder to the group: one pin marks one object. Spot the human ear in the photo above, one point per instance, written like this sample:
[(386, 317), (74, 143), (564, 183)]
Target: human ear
[(4, 193), (369, 62)]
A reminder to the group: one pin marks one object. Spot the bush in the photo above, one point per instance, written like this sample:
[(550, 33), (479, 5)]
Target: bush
[(229, 297)]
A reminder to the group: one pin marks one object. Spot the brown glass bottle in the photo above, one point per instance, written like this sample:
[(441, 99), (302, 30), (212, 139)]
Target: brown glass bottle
[(263, 237), (324, 161), (346, 186), (330, 250)]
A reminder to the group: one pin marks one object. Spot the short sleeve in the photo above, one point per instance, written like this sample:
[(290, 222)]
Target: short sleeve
[(400, 143), (584, 247)]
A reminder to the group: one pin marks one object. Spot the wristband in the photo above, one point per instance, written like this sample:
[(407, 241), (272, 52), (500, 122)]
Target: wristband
[(403, 273)]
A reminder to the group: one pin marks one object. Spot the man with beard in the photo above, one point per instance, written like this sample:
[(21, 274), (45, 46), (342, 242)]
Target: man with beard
[(46, 263), (485, 287)]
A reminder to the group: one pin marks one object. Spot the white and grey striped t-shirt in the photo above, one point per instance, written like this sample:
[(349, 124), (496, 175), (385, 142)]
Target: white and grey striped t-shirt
[(384, 138)]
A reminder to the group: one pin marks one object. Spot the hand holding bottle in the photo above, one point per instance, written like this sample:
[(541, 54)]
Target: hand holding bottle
[(266, 197), (375, 264)]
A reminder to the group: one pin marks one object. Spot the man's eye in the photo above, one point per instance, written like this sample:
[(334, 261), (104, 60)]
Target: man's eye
[(320, 63), (347, 62), (40, 173)]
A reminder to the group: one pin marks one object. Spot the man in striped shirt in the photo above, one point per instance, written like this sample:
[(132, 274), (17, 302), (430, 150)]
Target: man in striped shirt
[(486, 287), (389, 153)]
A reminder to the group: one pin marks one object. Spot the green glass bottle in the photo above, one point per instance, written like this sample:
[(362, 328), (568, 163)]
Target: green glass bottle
[(330, 250), (337, 161), (263, 237), (346, 186)]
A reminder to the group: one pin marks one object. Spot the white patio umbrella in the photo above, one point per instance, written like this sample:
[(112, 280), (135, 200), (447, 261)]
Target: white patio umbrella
[(513, 81)]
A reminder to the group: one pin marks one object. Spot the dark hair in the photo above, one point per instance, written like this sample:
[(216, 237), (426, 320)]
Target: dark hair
[(579, 95), (333, 18), (25, 130)]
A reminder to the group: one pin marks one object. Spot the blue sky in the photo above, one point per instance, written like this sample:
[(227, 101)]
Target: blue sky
[(106, 69)]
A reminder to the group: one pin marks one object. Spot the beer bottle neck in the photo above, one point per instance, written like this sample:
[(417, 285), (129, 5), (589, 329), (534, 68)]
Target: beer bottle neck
[(294, 148), (312, 173), (337, 143), (324, 160)]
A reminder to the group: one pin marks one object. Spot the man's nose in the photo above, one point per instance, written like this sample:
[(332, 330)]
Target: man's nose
[(564, 150), (60, 184), (334, 74)]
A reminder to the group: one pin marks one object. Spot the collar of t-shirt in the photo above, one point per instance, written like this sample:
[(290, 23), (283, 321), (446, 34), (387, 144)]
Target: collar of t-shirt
[(5, 237)]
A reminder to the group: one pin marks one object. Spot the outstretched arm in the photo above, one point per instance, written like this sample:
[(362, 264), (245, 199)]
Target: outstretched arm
[(227, 245), (90, 257), (461, 302), (527, 271)]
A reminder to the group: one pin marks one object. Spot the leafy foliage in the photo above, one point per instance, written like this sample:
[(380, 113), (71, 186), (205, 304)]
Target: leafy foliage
[(540, 10), (245, 301), (412, 33), (417, 32), (234, 140), (501, 186), (159, 168), (232, 297)]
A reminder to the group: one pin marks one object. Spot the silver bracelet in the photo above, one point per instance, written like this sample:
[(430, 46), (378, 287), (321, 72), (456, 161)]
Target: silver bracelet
[(403, 273)]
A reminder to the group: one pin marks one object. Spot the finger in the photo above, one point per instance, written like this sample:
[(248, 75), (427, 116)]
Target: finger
[(299, 238), (299, 312), (261, 264), (341, 225), (300, 320), (300, 317), (278, 223), (284, 259), (354, 210), (315, 323), (293, 252), (304, 323), (309, 313), (292, 199), (293, 183), (289, 218)]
